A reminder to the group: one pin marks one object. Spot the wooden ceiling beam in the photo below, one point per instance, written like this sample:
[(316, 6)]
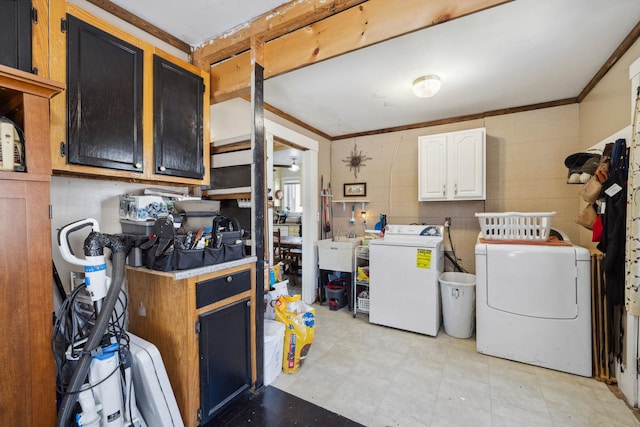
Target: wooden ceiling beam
[(371, 22), (132, 19), (271, 25)]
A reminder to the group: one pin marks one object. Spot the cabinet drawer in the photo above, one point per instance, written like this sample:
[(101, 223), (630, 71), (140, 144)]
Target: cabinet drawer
[(213, 290)]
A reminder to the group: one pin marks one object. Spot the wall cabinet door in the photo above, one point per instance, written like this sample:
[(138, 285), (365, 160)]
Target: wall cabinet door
[(467, 164), (452, 166), (294, 230), (126, 119), (225, 356), (104, 99), (177, 120), (15, 43), (432, 169)]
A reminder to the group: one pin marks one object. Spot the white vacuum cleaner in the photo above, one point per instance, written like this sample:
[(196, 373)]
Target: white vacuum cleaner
[(118, 379)]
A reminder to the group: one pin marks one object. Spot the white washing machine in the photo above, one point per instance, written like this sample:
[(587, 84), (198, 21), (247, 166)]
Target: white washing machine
[(404, 269), (533, 305)]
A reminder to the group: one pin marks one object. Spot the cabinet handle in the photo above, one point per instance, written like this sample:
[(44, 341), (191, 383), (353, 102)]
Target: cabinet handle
[(138, 165), (444, 189), (455, 188), (162, 168), (229, 279)]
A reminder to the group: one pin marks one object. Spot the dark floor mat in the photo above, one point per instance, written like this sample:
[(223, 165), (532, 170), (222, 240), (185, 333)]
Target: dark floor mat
[(271, 407)]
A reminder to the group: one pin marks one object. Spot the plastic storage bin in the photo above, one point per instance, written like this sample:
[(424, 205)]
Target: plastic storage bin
[(273, 349), (336, 295), (138, 228), (515, 225), (363, 302), (458, 291)]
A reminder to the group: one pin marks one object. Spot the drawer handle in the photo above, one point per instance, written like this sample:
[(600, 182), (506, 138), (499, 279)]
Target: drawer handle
[(229, 279)]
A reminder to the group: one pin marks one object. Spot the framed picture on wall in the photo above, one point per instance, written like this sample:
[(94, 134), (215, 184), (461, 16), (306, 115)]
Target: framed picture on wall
[(357, 189)]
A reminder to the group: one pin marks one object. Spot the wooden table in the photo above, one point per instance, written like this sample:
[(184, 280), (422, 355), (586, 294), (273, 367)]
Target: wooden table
[(290, 242)]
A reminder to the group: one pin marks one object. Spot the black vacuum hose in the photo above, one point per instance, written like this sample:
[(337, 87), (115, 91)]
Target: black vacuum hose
[(95, 337)]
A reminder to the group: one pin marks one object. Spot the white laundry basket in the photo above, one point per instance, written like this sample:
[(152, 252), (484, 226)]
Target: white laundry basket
[(515, 225), (458, 291), (273, 349)]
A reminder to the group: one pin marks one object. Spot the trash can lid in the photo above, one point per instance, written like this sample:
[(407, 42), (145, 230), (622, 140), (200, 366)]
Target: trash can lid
[(454, 278), (272, 328)]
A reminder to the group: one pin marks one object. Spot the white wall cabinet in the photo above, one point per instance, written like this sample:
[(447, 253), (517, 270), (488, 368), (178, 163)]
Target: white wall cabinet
[(451, 166)]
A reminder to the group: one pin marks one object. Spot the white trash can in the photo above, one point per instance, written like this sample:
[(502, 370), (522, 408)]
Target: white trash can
[(273, 349), (458, 291)]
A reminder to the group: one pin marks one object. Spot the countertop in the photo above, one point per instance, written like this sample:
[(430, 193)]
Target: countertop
[(185, 274)]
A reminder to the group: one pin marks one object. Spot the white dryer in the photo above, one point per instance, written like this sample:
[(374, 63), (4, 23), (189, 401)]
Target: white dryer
[(533, 305)]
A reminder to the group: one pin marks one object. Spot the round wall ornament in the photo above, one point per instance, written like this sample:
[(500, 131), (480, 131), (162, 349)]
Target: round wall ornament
[(356, 160)]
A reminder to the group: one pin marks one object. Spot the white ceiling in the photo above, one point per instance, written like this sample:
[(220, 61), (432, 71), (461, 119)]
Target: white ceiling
[(194, 21), (521, 53)]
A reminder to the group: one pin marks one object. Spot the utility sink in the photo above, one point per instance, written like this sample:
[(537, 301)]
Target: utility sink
[(354, 240), (337, 254)]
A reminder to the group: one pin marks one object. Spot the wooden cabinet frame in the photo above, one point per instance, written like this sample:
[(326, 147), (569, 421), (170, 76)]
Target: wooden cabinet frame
[(163, 310), (59, 164), (28, 379)]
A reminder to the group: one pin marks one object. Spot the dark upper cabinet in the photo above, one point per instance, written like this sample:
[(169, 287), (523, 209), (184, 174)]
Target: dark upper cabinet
[(177, 120), (104, 99), (15, 25)]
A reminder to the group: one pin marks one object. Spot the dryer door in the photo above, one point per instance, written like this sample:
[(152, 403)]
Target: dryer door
[(535, 281)]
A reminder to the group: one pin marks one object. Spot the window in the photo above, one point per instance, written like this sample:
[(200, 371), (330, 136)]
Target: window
[(292, 199)]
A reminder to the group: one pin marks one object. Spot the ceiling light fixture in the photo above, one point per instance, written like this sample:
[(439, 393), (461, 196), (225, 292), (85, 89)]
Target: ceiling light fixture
[(294, 167), (426, 86)]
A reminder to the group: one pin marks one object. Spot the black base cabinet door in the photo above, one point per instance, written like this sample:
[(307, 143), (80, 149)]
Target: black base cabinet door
[(104, 99), (177, 120), (225, 356), (15, 26)]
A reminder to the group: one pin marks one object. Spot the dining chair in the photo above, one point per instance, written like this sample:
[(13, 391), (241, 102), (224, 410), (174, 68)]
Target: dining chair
[(281, 255)]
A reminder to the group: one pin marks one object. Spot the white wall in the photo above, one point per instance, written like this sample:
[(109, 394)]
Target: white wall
[(525, 172), (73, 199)]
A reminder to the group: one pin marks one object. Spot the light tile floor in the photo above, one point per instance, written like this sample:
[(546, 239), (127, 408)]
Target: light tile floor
[(380, 376)]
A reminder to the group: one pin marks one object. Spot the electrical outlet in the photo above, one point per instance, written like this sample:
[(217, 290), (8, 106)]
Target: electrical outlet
[(447, 222)]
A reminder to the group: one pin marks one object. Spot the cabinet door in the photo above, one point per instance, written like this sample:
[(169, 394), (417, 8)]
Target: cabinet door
[(294, 230), (225, 356), (467, 165), (177, 120), (432, 167), (15, 43), (26, 303), (104, 98)]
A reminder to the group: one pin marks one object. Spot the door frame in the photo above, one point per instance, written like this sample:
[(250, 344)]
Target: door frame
[(310, 201)]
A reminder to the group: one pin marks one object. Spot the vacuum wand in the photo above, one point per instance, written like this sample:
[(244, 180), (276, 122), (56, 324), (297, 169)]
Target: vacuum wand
[(104, 293), (95, 337)]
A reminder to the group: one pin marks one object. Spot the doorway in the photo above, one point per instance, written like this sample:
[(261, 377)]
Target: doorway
[(308, 162)]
